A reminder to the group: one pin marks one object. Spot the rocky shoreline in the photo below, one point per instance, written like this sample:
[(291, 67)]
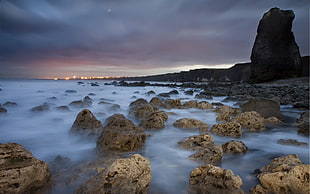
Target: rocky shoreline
[(120, 168)]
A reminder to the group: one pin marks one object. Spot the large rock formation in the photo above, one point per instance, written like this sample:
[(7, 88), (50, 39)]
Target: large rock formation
[(275, 54), (20, 172), (130, 175)]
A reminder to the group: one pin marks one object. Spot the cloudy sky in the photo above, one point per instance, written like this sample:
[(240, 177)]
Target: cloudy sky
[(59, 38)]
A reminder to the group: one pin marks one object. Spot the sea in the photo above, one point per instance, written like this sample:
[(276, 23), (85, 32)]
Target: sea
[(46, 133)]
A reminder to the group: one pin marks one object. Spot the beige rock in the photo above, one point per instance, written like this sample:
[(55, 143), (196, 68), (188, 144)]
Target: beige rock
[(142, 111), (130, 175), (197, 142), (86, 124), (209, 155), (20, 172), (120, 135), (211, 179), (251, 120), (234, 147), (187, 123), (232, 129), (226, 109), (223, 117), (156, 120), (272, 120)]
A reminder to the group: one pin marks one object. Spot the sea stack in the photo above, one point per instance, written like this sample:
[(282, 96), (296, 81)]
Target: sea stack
[(275, 54)]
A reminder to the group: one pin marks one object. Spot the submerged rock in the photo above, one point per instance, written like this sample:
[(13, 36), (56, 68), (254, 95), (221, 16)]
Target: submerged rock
[(197, 142), (232, 129), (291, 142), (251, 120), (10, 104), (86, 124), (187, 123), (20, 172), (212, 179), (130, 175), (41, 108), (3, 110), (284, 175), (120, 135)]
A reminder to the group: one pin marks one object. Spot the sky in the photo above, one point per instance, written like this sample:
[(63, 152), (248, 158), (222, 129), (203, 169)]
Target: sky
[(66, 38)]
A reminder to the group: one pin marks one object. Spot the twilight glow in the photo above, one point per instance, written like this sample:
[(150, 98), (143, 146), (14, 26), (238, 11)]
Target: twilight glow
[(60, 38)]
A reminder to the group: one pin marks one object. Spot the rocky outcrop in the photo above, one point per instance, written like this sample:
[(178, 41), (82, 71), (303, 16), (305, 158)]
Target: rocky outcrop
[(130, 175), (231, 129), (234, 146), (265, 107), (20, 172), (155, 120), (285, 175), (212, 179), (251, 120), (120, 135), (188, 123), (197, 142), (86, 124), (275, 54), (209, 155), (303, 123)]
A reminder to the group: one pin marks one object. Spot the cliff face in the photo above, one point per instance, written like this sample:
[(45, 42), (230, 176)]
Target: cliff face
[(275, 54)]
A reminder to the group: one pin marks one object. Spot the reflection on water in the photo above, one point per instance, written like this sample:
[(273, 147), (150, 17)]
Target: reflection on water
[(45, 134)]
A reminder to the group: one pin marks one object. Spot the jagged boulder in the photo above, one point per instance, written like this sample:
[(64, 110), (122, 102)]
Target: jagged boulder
[(20, 172), (86, 124), (234, 146), (210, 155), (130, 175), (188, 123), (120, 135), (155, 120), (275, 54), (285, 175), (212, 179), (231, 129), (251, 120), (197, 142), (265, 107)]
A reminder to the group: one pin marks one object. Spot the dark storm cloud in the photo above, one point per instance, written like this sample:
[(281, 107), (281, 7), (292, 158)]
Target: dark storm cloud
[(161, 33)]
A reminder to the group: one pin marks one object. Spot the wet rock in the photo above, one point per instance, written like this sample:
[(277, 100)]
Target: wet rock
[(187, 123), (20, 172), (223, 117), (71, 91), (303, 123), (150, 92), (10, 104), (157, 102), (226, 109), (200, 105), (137, 102), (172, 103), (94, 84), (209, 155), (234, 146), (173, 92), (41, 108), (142, 111), (212, 179), (60, 163), (286, 175), (251, 120), (291, 142), (197, 142), (3, 110), (231, 129), (189, 92), (265, 107), (120, 135), (91, 94), (155, 120), (86, 124), (63, 108), (130, 175), (272, 120)]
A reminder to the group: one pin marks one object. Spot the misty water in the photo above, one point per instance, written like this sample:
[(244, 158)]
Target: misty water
[(45, 133)]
